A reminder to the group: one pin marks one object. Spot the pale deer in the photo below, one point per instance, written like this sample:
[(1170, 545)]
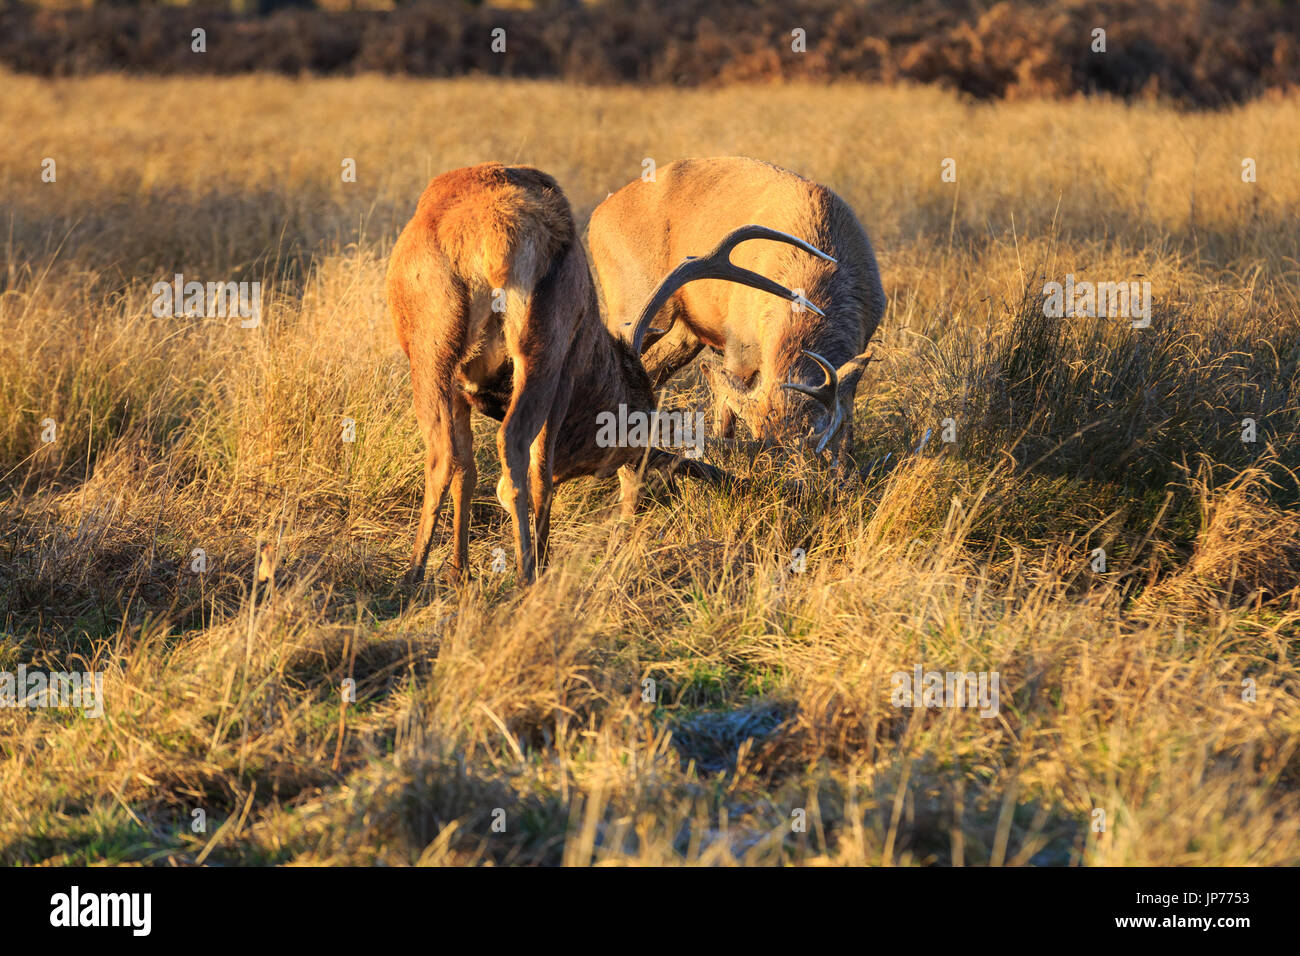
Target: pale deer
[(769, 349), (496, 309)]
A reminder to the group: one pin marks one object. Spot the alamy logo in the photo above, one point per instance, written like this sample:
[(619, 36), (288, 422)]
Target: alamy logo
[(103, 909), (54, 689), (637, 429), (953, 689), (213, 300), (1129, 300)]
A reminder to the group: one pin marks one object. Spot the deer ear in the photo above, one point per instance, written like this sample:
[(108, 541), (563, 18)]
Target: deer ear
[(849, 374)]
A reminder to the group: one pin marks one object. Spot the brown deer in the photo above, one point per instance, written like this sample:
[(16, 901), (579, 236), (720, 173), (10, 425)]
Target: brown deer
[(769, 350), (496, 310)]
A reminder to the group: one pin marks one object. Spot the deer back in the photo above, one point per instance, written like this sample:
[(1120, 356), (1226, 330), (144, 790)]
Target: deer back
[(690, 206)]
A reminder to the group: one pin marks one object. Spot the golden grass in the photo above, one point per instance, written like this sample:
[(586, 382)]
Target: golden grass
[(1121, 691)]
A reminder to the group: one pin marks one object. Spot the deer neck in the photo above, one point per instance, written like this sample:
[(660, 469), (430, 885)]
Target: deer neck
[(614, 387)]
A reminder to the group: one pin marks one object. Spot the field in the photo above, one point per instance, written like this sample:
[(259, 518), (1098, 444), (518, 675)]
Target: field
[(1149, 712)]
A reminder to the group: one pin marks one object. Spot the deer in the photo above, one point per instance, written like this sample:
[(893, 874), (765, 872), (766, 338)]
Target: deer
[(495, 307), (789, 373)]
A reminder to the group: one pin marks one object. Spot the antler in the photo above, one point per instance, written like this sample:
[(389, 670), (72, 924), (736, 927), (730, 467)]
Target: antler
[(718, 265), (827, 394)]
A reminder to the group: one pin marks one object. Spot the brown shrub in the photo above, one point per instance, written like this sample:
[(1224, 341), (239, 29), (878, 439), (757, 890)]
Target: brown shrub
[(1197, 52)]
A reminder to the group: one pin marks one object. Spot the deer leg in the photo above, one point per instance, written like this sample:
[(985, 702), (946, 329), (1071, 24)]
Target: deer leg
[(842, 457), (725, 386), (541, 477), (629, 489), (464, 478), (724, 418), (539, 330), (434, 422), (541, 485), (512, 493), (534, 394)]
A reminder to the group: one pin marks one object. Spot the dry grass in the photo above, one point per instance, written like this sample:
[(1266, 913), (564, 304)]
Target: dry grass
[(1121, 691)]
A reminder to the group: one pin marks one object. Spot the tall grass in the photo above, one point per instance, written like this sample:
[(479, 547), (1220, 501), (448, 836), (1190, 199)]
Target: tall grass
[(1122, 690)]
